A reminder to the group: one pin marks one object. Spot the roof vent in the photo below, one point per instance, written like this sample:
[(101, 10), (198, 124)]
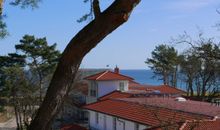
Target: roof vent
[(180, 99)]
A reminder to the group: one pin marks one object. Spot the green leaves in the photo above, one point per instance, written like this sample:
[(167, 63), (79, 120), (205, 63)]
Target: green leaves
[(26, 3), (3, 28), (40, 56), (163, 62)]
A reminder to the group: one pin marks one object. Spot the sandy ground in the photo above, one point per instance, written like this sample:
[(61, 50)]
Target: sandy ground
[(9, 125)]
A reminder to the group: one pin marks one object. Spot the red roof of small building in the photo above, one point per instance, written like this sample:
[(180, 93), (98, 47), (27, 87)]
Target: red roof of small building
[(73, 127), (108, 75), (141, 113), (165, 89)]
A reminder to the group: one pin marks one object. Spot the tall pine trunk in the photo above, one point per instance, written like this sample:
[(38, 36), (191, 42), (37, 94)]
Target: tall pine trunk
[(63, 78)]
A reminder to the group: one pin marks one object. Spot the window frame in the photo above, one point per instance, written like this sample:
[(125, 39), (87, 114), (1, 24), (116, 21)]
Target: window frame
[(121, 86)]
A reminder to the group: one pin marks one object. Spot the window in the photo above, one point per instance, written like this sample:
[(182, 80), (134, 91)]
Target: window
[(93, 89), (121, 86), (114, 123), (136, 126), (97, 117)]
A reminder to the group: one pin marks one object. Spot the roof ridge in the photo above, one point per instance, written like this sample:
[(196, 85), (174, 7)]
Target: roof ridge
[(102, 74)]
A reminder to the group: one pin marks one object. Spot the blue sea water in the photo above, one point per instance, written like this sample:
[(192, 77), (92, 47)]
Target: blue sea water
[(146, 77), (142, 76)]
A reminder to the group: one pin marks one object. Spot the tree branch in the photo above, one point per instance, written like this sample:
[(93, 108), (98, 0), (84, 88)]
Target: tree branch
[(1, 7), (96, 8)]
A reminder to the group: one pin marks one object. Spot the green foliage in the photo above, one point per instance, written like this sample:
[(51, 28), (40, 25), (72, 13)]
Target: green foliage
[(5, 62), (34, 60), (41, 59), (22, 75), (26, 3), (163, 61), (40, 56), (14, 81), (89, 15), (198, 66), (3, 28)]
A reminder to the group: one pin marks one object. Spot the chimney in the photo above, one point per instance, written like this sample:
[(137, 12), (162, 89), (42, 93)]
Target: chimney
[(116, 70)]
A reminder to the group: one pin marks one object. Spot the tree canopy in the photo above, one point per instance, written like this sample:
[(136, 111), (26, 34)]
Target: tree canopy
[(163, 62)]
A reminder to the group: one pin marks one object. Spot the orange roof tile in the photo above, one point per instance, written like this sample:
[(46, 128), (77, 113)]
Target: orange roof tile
[(165, 89), (143, 114), (189, 106), (108, 75)]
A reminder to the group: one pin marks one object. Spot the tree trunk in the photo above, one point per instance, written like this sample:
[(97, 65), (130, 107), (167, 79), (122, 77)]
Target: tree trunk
[(20, 116), (165, 78), (78, 47), (190, 85), (41, 85), (16, 116), (175, 77)]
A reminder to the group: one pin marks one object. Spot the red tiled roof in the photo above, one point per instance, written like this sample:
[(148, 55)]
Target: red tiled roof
[(73, 127), (202, 125), (108, 75), (169, 126), (189, 106), (133, 83), (165, 89), (192, 125), (144, 114), (115, 94)]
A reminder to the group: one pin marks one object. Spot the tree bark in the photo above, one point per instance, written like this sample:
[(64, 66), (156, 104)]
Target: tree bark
[(16, 117), (114, 16), (190, 85)]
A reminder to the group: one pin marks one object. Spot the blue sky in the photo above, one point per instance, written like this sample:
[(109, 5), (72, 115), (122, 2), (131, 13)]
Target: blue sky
[(153, 22)]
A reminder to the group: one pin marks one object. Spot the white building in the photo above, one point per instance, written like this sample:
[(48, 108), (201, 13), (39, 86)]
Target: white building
[(152, 113), (106, 82)]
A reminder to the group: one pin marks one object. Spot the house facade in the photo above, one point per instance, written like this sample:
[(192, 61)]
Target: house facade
[(101, 121)]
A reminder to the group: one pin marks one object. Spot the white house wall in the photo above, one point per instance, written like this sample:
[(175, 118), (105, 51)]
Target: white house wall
[(92, 121), (121, 124), (105, 87)]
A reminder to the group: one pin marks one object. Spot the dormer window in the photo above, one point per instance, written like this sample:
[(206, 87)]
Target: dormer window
[(122, 86)]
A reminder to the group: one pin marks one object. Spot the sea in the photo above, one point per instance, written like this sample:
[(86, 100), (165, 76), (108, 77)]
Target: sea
[(147, 77)]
